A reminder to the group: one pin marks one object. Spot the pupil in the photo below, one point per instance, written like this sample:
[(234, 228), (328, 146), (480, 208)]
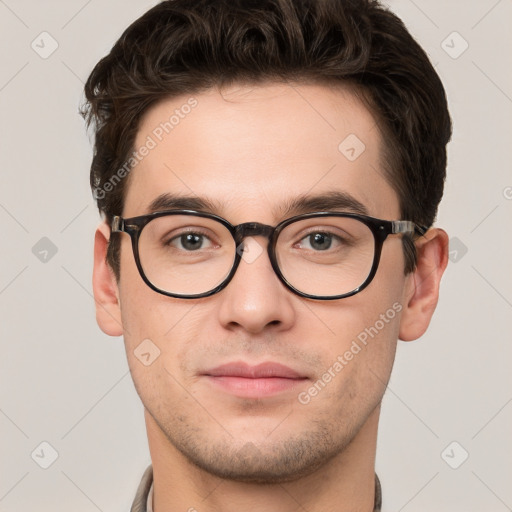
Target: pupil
[(191, 241), (320, 241)]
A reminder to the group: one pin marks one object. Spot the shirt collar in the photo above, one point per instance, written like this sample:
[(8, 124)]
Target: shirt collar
[(149, 506), (143, 501)]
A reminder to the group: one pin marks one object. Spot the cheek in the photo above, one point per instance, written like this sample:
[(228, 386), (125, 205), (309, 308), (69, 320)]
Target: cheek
[(167, 322), (145, 313), (154, 326), (156, 330), (357, 367), (364, 330)]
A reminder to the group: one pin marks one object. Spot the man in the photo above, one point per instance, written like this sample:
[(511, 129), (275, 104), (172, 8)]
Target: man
[(269, 173)]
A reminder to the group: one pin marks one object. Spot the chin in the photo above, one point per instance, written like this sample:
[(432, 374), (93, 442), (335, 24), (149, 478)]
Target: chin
[(267, 462)]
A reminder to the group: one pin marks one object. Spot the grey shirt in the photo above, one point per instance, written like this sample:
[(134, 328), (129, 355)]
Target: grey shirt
[(143, 501)]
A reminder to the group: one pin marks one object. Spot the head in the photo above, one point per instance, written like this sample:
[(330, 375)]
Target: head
[(244, 108)]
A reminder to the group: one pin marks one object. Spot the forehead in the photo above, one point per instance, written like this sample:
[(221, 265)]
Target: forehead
[(247, 149)]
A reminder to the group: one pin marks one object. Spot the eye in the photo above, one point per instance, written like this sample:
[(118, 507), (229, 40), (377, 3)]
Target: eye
[(190, 242), (318, 241)]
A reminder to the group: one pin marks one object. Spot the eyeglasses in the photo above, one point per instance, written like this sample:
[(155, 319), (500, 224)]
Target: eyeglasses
[(322, 255)]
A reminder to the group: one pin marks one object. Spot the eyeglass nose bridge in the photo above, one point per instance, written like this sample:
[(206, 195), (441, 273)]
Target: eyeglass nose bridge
[(247, 229)]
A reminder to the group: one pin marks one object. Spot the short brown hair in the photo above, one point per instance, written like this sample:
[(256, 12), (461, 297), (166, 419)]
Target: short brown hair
[(187, 46)]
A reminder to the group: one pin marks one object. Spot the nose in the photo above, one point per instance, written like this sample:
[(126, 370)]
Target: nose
[(255, 300)]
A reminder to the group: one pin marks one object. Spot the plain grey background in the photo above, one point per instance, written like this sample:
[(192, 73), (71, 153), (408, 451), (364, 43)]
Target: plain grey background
[(444, 441)]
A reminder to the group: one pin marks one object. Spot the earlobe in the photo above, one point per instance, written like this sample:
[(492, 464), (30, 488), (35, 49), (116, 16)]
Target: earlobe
[(422, 288), (106, 294)]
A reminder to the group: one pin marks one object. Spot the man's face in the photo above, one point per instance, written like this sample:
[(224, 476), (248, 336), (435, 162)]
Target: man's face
[(252, 151)]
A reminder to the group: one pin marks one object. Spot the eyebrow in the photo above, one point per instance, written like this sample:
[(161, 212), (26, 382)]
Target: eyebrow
[(329, 201), (168, 201)]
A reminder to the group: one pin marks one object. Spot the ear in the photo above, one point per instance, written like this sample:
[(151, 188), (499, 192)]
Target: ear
[(106, 292), (422, 288)]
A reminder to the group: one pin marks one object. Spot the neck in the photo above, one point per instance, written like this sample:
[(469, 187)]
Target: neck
[(344, 483)]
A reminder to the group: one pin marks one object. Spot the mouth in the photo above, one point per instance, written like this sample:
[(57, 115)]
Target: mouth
[(248, 381)]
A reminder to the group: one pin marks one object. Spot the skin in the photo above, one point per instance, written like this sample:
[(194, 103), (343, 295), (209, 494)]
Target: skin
[(252, 149)]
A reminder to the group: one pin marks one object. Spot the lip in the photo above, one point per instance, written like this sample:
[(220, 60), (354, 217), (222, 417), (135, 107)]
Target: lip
[(254, 381), (260, 371)]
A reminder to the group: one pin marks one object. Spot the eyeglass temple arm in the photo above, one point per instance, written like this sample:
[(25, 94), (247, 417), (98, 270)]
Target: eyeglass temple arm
[(117, 224), (407, 226)]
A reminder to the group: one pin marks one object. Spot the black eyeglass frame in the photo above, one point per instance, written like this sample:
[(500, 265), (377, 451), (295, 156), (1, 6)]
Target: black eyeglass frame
[(380, 228)]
